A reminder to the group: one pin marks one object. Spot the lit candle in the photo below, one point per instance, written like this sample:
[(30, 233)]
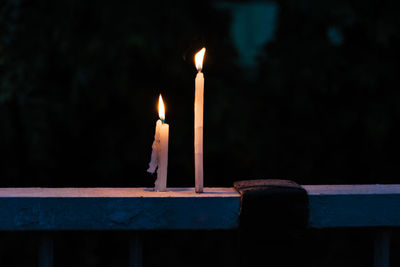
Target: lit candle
[(159, 154), (198, 122)]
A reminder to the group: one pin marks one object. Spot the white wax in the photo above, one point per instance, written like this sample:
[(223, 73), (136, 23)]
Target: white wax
[(198, 131), (155, 148), (161, 182), (159, 156)]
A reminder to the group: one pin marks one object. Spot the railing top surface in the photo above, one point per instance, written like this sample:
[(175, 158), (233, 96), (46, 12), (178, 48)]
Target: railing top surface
[(116, 192), (354, 189)]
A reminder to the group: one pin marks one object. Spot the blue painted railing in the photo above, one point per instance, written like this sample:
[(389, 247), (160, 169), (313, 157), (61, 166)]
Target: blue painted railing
[(135, 209)]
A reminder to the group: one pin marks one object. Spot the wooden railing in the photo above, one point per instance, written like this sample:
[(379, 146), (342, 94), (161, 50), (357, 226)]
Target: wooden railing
[(44, 209)]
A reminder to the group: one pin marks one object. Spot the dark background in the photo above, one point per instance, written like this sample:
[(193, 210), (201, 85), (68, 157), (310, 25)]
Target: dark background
[(79, 83)]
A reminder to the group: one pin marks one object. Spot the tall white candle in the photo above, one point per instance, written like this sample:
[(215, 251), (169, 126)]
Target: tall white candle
[(198, 122), (159, 154)]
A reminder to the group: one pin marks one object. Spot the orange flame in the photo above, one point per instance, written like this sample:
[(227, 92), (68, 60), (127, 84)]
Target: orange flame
[(161, 108), (198, 58)]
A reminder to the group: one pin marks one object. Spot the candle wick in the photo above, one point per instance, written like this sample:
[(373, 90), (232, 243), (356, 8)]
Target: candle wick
[(162, 121)]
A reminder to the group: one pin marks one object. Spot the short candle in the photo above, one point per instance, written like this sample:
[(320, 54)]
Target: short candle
[(159, 154)]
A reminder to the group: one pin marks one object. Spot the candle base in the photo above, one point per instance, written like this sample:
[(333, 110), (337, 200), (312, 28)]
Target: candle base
[(159, 186), (199, 172)]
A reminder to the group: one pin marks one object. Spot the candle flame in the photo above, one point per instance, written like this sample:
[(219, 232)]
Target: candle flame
[(198, 59), (161, 108)]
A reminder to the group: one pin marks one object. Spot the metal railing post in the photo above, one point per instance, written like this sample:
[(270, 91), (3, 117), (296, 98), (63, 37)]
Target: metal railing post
[(136, 250), (382, 248), (46, 251)]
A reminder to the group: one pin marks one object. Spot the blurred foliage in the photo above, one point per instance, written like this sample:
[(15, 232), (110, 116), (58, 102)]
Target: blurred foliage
[(80, 81), (329, 91)]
